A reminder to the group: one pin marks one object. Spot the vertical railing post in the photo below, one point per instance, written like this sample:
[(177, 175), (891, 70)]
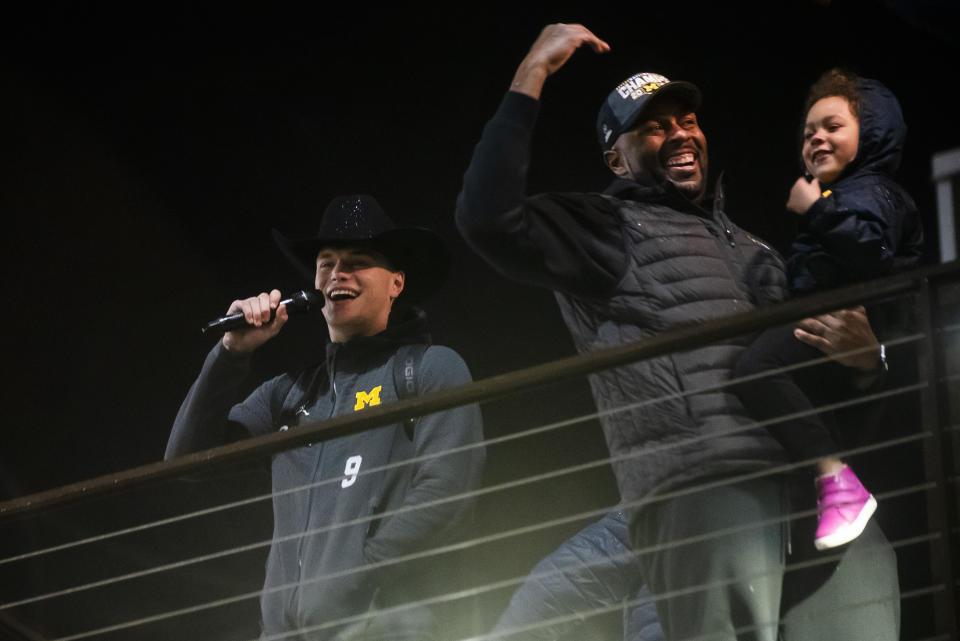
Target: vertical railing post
[(939, 463), (946, 175)]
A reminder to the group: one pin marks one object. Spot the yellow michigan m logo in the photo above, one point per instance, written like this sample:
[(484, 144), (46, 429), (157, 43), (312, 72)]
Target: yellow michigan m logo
[(364, 398)]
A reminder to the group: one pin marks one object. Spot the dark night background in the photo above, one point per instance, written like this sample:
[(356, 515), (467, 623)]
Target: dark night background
[(151, 147)]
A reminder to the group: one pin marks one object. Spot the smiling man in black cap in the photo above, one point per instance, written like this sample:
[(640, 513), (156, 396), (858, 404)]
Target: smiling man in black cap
[(654, 251), (356, 504)]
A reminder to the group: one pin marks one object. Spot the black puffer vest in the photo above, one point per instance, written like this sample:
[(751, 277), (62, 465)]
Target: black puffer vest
[(685, 265)]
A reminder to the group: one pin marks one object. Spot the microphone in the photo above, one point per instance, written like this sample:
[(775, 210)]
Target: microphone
[(299, 303)]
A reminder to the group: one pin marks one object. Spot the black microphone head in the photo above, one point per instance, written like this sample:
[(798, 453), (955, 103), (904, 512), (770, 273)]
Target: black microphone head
[(303, 301)]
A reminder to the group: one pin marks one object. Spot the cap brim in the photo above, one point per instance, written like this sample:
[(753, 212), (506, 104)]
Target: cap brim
[(685, 92)]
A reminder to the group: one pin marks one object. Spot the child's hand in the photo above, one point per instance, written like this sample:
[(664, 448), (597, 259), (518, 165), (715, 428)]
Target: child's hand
[(802, 195)]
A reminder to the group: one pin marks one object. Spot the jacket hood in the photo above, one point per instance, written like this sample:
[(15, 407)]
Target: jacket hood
[(882, 131)]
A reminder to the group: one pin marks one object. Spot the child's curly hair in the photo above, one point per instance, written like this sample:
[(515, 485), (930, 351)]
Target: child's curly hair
[(835, 82)]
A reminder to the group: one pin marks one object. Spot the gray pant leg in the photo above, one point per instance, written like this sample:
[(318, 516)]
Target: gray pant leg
[(724, 587), (858, 601)]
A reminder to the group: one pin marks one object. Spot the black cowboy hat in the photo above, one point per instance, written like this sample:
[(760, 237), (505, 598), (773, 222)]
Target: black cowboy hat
[(358, 220)]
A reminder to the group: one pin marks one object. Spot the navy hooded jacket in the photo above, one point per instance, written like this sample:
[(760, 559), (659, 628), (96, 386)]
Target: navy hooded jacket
[(866, 225)]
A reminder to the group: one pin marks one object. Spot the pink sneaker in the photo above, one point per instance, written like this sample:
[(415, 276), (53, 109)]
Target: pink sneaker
[(843, 508)]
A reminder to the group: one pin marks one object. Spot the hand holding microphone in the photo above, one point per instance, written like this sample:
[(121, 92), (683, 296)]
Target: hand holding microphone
[(260, 318)]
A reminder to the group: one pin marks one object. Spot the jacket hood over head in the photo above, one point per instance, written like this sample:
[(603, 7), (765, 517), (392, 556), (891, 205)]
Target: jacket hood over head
[(882, 131)]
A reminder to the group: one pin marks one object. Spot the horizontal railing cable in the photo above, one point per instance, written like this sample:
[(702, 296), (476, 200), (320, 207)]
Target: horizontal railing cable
[(466, 495), (517, 532), (492, 538), (473, 494), (579, 615), (677, 339), (476, 591), (947, 329), (27, 505), (600, 609), (464, 448)]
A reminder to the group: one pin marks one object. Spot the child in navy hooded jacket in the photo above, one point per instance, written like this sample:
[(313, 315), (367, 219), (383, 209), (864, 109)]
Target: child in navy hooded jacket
[(857, 223)]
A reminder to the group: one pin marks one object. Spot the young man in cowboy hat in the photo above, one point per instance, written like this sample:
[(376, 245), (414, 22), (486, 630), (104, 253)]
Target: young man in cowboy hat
[(317, 583), (654, 251)]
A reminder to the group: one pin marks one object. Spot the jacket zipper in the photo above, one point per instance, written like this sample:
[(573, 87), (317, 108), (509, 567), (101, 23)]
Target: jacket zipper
[(729, 234), (296, 593), (719, 201), (728, 250), (711, 226)]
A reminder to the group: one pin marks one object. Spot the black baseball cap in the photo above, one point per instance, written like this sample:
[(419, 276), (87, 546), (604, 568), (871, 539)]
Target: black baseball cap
[(626, 103)]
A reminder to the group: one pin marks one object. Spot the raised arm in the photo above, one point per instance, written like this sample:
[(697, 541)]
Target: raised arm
[(569, 242), (550, 51)]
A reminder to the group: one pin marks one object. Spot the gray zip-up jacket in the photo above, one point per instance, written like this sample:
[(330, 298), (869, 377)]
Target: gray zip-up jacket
[(325, 529), (624, 265)]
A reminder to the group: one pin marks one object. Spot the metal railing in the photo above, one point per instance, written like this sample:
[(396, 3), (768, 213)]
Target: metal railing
[(64, 527)]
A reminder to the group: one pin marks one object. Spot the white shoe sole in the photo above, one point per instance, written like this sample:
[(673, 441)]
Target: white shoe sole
[(852, 531)]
